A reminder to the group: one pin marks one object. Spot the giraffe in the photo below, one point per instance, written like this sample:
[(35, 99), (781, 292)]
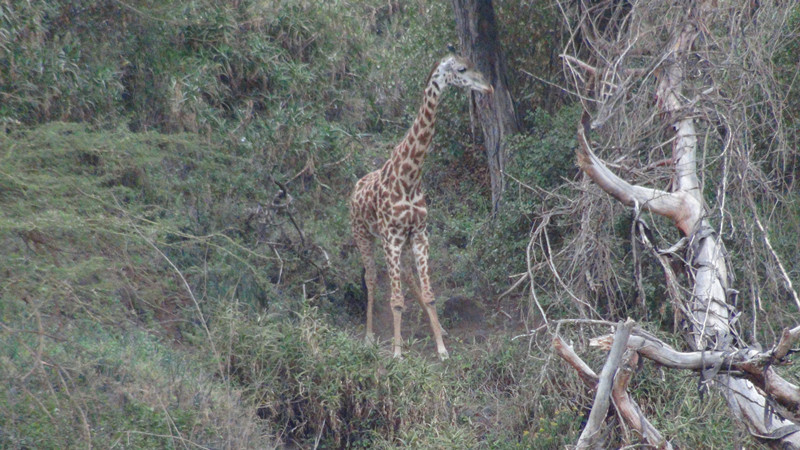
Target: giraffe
[(389, 204)]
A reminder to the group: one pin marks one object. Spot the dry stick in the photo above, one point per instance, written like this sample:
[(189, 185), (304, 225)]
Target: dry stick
[(777, 260), (788, 337), (637, 264), (754, 366), (560, 322), (37, 355), (585, 372), (171, 424), (38, 401), (185, 285), (525, 276), (150, 16), (189, 291), (87, 429), (628, 409), (601, 399), (530, 272), (285, 206), (670, 278), (558, 278)]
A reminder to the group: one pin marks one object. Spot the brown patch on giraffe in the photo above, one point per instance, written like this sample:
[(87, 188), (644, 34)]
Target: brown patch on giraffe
[(424, 136), (428, 115), (416, 128), (405, 169), (411, 139), (400, 209)]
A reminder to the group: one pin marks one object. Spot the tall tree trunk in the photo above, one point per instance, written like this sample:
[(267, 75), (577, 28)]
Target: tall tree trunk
[(477, 32)]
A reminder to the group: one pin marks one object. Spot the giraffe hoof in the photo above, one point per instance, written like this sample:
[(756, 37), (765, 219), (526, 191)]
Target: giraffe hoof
[(443, 355)]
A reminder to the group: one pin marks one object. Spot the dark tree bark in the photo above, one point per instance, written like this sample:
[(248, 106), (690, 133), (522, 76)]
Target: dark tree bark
[(477, 32)]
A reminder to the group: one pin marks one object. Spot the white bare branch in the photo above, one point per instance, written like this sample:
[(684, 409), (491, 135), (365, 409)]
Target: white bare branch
[(590, 434)]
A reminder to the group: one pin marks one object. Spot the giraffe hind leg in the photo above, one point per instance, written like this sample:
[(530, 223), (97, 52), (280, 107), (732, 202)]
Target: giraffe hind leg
[(420, 246), (364, 242), (413, 285)]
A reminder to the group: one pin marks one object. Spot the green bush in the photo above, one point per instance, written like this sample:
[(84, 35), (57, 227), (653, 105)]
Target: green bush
[(311, 381)]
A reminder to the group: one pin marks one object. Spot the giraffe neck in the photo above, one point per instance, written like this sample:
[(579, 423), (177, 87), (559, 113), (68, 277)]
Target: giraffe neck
[(409, 155)]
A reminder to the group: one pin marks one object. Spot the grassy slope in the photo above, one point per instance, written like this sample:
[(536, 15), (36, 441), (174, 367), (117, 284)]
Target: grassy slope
[(102, 342), (91, 313)]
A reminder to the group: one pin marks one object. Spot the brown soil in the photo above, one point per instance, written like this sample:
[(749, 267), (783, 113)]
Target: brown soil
[(466, 320)]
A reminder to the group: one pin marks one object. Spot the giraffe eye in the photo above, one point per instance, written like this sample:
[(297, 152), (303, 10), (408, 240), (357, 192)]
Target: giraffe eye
[(462, 69)]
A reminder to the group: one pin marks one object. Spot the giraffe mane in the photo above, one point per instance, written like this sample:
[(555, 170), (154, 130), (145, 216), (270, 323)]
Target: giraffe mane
[(435, 66)]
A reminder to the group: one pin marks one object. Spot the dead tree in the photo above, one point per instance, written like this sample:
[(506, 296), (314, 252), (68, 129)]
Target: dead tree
[(613, 61)]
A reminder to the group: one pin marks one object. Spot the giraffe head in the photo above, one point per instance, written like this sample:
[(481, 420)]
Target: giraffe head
[(458, 71)]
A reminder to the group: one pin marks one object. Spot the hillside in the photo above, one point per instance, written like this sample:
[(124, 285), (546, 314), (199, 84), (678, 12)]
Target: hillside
[(178, 265)]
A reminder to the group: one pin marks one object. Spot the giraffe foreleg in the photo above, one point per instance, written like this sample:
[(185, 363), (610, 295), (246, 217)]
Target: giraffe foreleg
[(364, 241), (420, 245), (392, 247)]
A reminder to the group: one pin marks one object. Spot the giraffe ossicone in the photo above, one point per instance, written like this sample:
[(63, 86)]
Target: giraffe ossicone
[(389, 204)]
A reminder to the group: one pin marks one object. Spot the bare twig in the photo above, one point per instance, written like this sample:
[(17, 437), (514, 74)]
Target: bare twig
[(785, 275), (523, 278), (282, 201), (530, 273), (87, 429), (188, 288)]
